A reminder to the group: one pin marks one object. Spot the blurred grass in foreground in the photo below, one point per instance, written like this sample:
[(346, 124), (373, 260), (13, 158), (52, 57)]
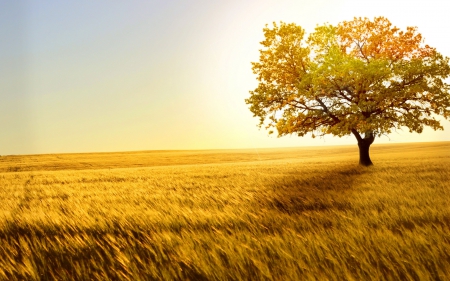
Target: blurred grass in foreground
[(285, 214)]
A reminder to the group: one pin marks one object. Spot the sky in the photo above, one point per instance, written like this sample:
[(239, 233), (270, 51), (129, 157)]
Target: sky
[(92, 76)]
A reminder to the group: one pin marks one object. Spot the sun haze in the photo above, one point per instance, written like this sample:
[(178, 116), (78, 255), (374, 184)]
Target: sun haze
[(112, 76)]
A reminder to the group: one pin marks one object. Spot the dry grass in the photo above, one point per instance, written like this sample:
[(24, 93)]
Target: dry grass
[(285, 214)]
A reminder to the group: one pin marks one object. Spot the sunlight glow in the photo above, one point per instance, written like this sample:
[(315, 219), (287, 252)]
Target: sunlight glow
[(113, 76)]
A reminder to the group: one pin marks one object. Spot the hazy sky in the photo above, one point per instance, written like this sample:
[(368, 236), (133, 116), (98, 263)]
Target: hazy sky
[(79, 76)]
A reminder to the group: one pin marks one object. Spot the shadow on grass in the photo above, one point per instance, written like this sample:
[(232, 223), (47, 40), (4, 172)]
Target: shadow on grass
[(319, 191)]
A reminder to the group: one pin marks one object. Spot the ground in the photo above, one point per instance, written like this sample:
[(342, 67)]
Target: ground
[(270, 214)]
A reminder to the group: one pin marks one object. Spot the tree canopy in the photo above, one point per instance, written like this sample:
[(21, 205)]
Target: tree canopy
[(357, 77)]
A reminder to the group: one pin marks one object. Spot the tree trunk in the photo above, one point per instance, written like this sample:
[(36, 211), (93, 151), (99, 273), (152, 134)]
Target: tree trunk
[(364, 145), (364, 158)]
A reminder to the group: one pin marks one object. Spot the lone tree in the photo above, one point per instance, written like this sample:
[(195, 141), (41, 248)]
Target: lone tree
[(360, 77)]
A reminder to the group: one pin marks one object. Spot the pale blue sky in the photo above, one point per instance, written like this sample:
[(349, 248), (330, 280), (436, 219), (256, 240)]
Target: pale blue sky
[(79, 76)]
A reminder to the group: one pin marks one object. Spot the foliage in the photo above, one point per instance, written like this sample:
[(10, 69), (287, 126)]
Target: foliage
[(356, 77), (301, 214)]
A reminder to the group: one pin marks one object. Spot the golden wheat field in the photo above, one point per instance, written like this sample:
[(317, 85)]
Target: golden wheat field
[(268, 214)]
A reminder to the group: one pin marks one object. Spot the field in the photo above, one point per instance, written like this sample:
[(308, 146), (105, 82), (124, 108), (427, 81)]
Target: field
[(269, 214)]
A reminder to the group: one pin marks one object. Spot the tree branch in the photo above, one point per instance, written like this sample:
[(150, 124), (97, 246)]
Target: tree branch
[(357, 135), (325, 109), (362, 53)]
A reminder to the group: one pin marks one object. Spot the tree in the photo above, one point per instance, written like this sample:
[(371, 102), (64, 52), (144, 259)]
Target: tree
[(359, 77)]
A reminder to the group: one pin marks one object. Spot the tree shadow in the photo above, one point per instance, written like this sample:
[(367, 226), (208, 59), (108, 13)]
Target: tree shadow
[(315, 192)]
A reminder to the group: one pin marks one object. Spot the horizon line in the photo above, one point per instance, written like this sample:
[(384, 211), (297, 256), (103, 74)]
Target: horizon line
[(218, 149)]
